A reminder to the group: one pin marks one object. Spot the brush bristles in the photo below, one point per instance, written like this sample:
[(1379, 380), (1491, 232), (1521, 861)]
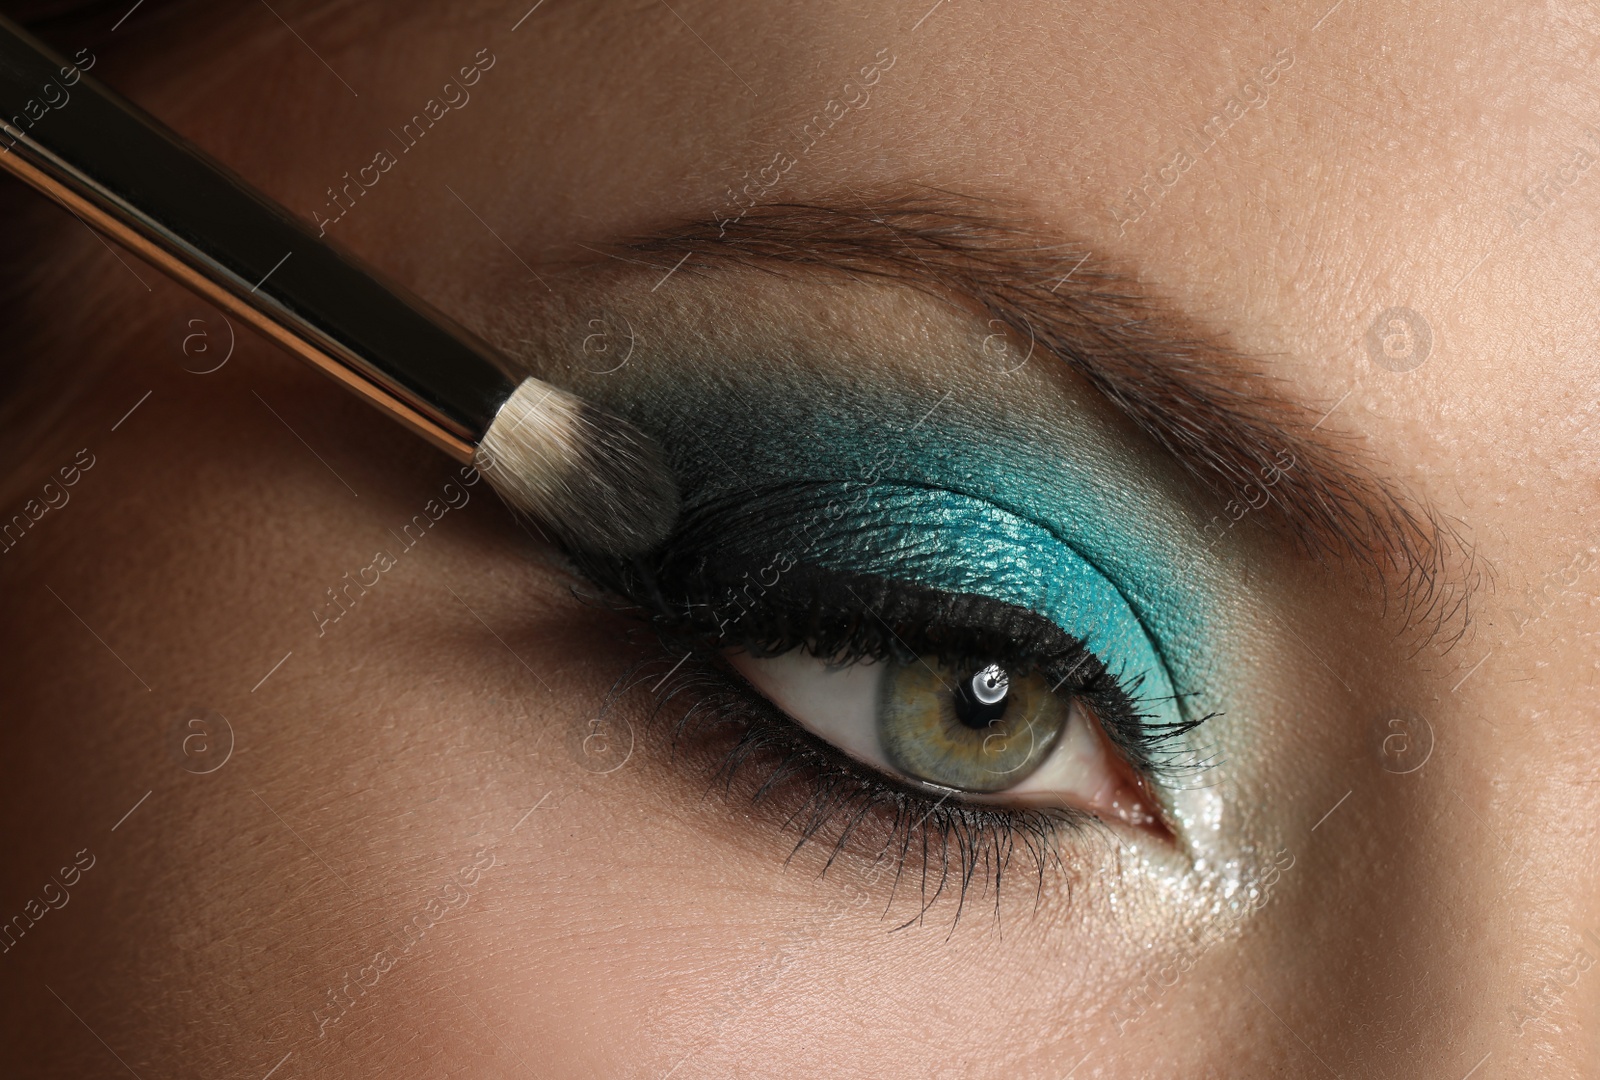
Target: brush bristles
[(597, 482)]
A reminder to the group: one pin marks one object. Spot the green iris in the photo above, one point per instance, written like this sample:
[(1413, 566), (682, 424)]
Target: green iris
[(976, 729)]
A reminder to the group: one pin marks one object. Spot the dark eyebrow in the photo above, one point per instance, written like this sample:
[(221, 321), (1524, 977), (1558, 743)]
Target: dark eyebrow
[(1216, 411)]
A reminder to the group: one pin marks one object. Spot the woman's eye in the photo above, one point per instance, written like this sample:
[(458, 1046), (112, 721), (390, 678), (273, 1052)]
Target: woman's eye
[(979, 733)]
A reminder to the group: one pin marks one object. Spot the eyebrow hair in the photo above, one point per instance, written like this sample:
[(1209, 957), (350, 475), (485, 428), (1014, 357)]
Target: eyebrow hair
[(1213, 409)]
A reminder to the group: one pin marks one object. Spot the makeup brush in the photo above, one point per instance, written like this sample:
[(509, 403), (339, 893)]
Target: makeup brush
[(597, 482)]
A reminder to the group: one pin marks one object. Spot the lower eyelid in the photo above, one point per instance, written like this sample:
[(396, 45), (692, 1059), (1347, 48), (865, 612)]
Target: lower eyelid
[(927, 848)]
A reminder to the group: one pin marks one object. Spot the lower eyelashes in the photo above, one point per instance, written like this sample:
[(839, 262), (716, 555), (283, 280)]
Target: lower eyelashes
[(803, 785), (908, 673)]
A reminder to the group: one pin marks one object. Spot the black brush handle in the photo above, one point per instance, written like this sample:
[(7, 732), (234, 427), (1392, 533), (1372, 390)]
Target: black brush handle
[(130, 176)]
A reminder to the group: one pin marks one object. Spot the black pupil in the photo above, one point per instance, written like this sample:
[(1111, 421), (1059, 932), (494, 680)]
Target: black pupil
[(981, 697)]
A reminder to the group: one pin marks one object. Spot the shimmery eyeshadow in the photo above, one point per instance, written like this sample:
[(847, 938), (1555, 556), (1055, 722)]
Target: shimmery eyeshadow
[(960, 544)]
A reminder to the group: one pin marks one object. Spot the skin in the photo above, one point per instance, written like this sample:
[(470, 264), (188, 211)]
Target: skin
[(1432, 921)]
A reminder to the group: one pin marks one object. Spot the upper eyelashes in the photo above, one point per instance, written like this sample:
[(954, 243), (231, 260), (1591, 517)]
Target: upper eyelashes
[(730, 567)]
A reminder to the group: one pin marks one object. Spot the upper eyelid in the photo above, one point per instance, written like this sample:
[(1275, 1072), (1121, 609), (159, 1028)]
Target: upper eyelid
[(1166, 677), (1124, 642)]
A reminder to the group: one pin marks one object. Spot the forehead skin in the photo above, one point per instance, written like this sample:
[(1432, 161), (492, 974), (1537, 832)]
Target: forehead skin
[(630, 926)]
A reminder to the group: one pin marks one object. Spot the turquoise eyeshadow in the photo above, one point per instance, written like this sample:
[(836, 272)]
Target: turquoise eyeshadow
[(960, 544), (1041, 503)]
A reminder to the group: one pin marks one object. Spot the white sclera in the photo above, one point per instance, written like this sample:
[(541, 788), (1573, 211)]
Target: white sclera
[(839, 704)]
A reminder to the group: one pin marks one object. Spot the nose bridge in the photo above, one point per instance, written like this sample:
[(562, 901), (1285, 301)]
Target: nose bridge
[(1541, 982), (1483, 921), (1549, 1027), (1449, 899), (1535, 763)]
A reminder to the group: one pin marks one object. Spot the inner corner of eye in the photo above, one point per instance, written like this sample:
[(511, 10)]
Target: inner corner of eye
[(990, 734)]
